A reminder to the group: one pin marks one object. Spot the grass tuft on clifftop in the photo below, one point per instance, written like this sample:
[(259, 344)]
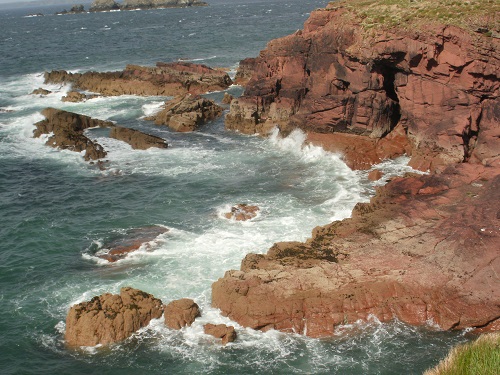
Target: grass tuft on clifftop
[(479, 357), (474, 15)]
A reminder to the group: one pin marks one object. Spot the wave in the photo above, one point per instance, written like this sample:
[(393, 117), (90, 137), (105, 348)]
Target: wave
[(198, 59)]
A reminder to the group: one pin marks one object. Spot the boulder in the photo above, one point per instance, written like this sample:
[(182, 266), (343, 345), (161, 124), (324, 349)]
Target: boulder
[(133, 239), (66, 131), (242, 212), (221, 331), (165, 79), (227, 98), (103, 6), (76, 97), (187, 113), (375, 175), (181, 313), (137, 139), (110, 318), (41, 91)]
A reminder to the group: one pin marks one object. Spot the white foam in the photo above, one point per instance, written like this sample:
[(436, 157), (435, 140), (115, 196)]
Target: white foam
[(150, 109)]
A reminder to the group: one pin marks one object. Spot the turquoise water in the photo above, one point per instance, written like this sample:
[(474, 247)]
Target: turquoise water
[(57, 210)]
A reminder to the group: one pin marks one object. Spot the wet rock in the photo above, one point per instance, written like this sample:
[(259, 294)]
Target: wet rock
[(137, 139), (133, 239), (242, 212), (181, 313), (221, 331), (375, 175), (187, 113), (41, 91), (76, 97), (66, 131), (165, 79), (227, 98), (110, 318)]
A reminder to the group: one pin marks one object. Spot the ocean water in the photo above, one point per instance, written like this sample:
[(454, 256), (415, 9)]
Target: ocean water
[(57, 211)]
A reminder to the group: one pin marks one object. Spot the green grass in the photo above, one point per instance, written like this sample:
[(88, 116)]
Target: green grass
[(473, 15), (481, 357)]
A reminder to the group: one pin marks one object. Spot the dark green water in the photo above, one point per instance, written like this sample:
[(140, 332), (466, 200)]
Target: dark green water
[(57, 210)]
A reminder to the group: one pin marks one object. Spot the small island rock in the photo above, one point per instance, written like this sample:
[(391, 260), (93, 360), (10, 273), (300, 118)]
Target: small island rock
[(221, 331), (138, 140), (242, 212), (181, 313), (110, 318), (41, 91)]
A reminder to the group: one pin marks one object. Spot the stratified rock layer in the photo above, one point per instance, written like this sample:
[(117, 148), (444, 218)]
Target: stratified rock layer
[(162, 80), (137, 139), (187, 113), (110, 318), (437, 87), (425, 250)]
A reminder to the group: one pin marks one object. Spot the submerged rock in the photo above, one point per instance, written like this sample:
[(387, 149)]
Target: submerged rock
[(76, 97), (66, 132), (110, 318), (181, 313), (221, 331), (187, 113), (137, 139), (130, 242), (242, 212)]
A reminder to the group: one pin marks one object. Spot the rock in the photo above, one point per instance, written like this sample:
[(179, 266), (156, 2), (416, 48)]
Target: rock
[(130, 242), (435, 91), (227, 98), (245, 71), (75, 9), (424, 250), (375, 175), (164, 79), (187, 113), (41, 91), (109, 318), (66, 129), (137, 139), (181, 313), (221, 331), (103, 6), (154, 4), (76, 97), (242, 212), (5, 110)]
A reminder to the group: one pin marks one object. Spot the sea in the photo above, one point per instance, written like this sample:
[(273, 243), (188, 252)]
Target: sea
[(58, 211)]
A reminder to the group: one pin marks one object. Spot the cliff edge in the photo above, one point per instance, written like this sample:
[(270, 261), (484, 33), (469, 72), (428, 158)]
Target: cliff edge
[(374, 80)]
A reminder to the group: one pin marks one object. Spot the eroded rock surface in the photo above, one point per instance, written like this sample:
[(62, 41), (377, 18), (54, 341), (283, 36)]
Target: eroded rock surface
[(350, 89), (181, 313), (187, 113), (66, 131), (137, 139), (221, 331), (165, 79), (110, 318), (77, 97), (424, 250)]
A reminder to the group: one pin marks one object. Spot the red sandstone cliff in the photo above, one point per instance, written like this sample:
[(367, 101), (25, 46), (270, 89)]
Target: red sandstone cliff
[(426, 249)]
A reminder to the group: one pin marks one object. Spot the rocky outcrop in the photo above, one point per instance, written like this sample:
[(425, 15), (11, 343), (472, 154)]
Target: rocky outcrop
[(77, 97), (227, 99), (75, 9), (351, 88), (424, 251), (66, 131), (187, 113), (110, 318), (221, 331), (41, 91), (181, 313), (154, 4), (132, 241), (166, 79), (104, 6), (242, 212), (245, 71), (137, 139)]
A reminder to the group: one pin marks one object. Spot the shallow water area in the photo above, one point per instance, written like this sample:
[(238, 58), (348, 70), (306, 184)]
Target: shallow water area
[(59, 211)]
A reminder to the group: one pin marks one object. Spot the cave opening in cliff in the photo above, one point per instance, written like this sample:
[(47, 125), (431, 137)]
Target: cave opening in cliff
[(389, 86)]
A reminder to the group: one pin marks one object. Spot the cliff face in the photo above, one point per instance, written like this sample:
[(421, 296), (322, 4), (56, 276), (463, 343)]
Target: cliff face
[(439, 87), (425, 249)]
